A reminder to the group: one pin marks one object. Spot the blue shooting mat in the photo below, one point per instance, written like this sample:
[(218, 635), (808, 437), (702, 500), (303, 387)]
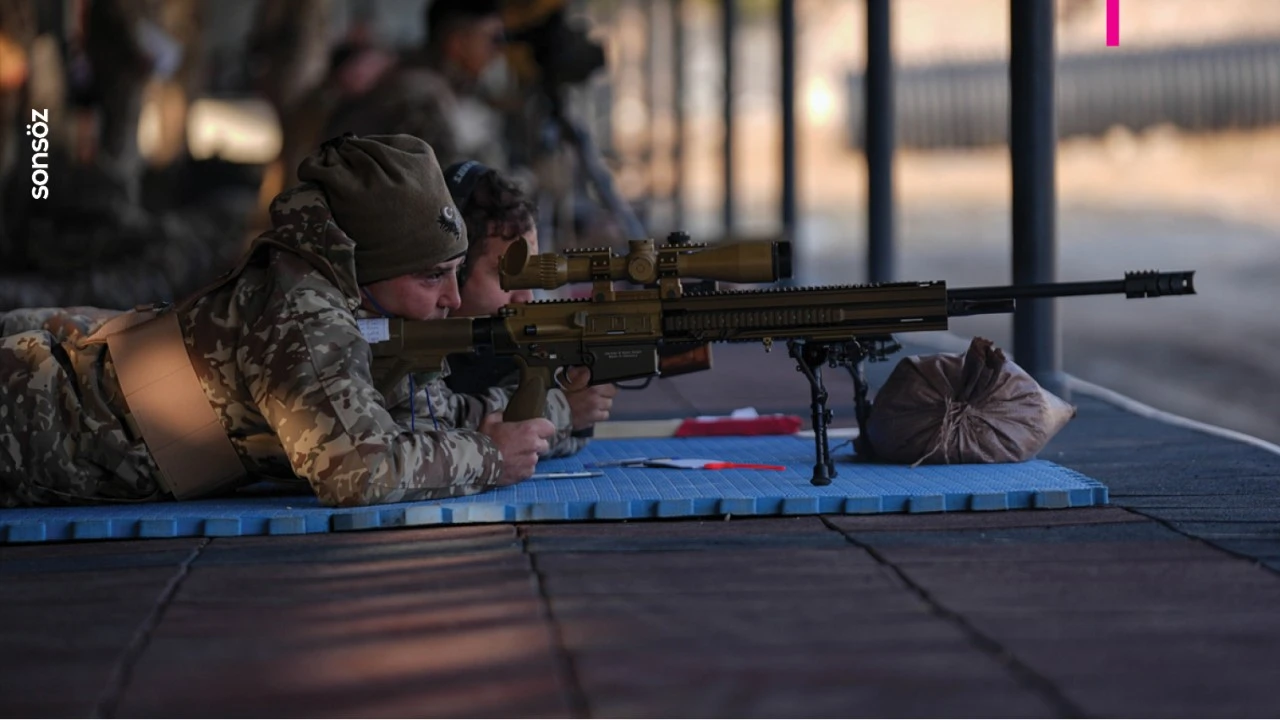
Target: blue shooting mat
[(620, 494)]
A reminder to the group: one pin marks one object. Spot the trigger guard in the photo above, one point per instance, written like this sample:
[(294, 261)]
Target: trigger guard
[(558, 376)]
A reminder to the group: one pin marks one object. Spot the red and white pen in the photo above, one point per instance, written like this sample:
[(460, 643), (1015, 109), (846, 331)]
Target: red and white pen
[(703, 464)]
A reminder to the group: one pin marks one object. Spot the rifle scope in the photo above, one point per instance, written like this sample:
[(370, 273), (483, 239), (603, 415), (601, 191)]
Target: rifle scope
[(645, 264)]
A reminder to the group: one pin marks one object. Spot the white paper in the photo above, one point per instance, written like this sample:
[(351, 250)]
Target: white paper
[(747, 413), (680, 463), (374, 330)]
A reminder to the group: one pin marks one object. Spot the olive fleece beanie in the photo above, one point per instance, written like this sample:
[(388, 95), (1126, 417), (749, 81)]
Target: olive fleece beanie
[(388, 195)]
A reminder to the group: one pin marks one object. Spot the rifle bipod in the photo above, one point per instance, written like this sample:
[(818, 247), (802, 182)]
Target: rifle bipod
[(810, 356)]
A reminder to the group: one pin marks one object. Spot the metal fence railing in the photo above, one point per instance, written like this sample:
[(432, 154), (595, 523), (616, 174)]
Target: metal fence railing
[(1214, 87)]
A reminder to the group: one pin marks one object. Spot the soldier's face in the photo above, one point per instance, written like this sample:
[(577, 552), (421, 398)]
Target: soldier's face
[(478, 44), (483, 293), (426, 295)]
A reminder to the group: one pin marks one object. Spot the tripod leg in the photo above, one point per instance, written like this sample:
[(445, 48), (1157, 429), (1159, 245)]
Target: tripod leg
[(823, 470), (598, 174)]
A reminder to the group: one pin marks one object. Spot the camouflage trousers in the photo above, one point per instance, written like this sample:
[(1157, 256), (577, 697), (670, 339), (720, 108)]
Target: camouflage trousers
[(63, 435)]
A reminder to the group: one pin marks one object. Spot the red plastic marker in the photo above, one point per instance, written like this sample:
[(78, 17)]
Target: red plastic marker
[(741, 466), (699, 464)]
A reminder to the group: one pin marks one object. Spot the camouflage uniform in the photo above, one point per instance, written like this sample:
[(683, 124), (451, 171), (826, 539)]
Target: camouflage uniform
[(282, 362)]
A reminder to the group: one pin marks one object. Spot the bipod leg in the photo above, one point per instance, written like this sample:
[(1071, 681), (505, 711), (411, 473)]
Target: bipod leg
[(861, 407), (809, 360)]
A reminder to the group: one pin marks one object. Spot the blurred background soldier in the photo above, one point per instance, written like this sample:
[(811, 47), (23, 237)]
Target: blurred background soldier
[(433, 93), (95, 239), (289, 50), (289, 59), (119, 35), (549, 54), (17, 31)]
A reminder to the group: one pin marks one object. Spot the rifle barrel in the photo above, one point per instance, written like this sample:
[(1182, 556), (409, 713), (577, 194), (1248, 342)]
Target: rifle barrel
[(1134, 285)]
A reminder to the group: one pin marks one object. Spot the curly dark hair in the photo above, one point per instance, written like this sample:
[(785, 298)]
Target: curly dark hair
[(496, 208)]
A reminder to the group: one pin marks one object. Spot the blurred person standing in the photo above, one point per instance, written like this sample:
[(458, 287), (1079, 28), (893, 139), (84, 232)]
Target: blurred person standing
[(355, 66), (178, 80), (125, 47), (289, 63), (288, 49), (89, 240), (434, 92), (132, 58), (17, 33)]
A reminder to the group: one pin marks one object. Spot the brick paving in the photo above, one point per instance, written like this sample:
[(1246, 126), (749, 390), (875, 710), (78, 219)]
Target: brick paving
[(1160, 605)]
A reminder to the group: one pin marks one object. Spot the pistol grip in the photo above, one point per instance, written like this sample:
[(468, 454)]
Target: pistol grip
[(530, 398)]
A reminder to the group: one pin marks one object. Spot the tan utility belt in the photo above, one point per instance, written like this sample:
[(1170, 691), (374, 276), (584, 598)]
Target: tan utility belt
[(168, 405)]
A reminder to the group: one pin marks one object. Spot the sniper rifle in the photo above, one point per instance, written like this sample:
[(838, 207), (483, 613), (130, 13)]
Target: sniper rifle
[(618, 334)]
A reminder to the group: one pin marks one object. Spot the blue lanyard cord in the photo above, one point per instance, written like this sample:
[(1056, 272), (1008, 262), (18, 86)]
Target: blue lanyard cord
[(431, 407), (413, 390), (374, 303)]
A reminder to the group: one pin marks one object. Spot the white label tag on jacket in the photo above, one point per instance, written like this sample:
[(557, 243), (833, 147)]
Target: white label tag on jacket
[(374, 330)]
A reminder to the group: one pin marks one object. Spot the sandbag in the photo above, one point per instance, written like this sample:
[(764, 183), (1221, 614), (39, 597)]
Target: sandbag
[(971, 407)]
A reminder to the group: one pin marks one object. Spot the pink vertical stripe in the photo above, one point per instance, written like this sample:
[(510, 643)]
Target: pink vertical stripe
[(1113, 23)]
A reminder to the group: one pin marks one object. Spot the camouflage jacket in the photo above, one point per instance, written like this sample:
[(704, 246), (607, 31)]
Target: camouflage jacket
[(282, 361)]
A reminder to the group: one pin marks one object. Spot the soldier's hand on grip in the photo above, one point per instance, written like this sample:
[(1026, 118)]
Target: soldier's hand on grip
[(520, 444), (588, 405)]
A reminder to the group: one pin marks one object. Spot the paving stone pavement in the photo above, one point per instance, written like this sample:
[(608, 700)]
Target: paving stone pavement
[(1160, 605)]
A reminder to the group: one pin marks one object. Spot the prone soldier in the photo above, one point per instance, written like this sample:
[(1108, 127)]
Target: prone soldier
[(497, 214), (267, 370)]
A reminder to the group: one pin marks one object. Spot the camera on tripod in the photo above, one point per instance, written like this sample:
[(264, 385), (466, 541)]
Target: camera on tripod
[(560, 52)]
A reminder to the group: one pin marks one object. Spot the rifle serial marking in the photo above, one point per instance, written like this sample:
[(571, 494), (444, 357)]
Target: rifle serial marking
[(621, 353)]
